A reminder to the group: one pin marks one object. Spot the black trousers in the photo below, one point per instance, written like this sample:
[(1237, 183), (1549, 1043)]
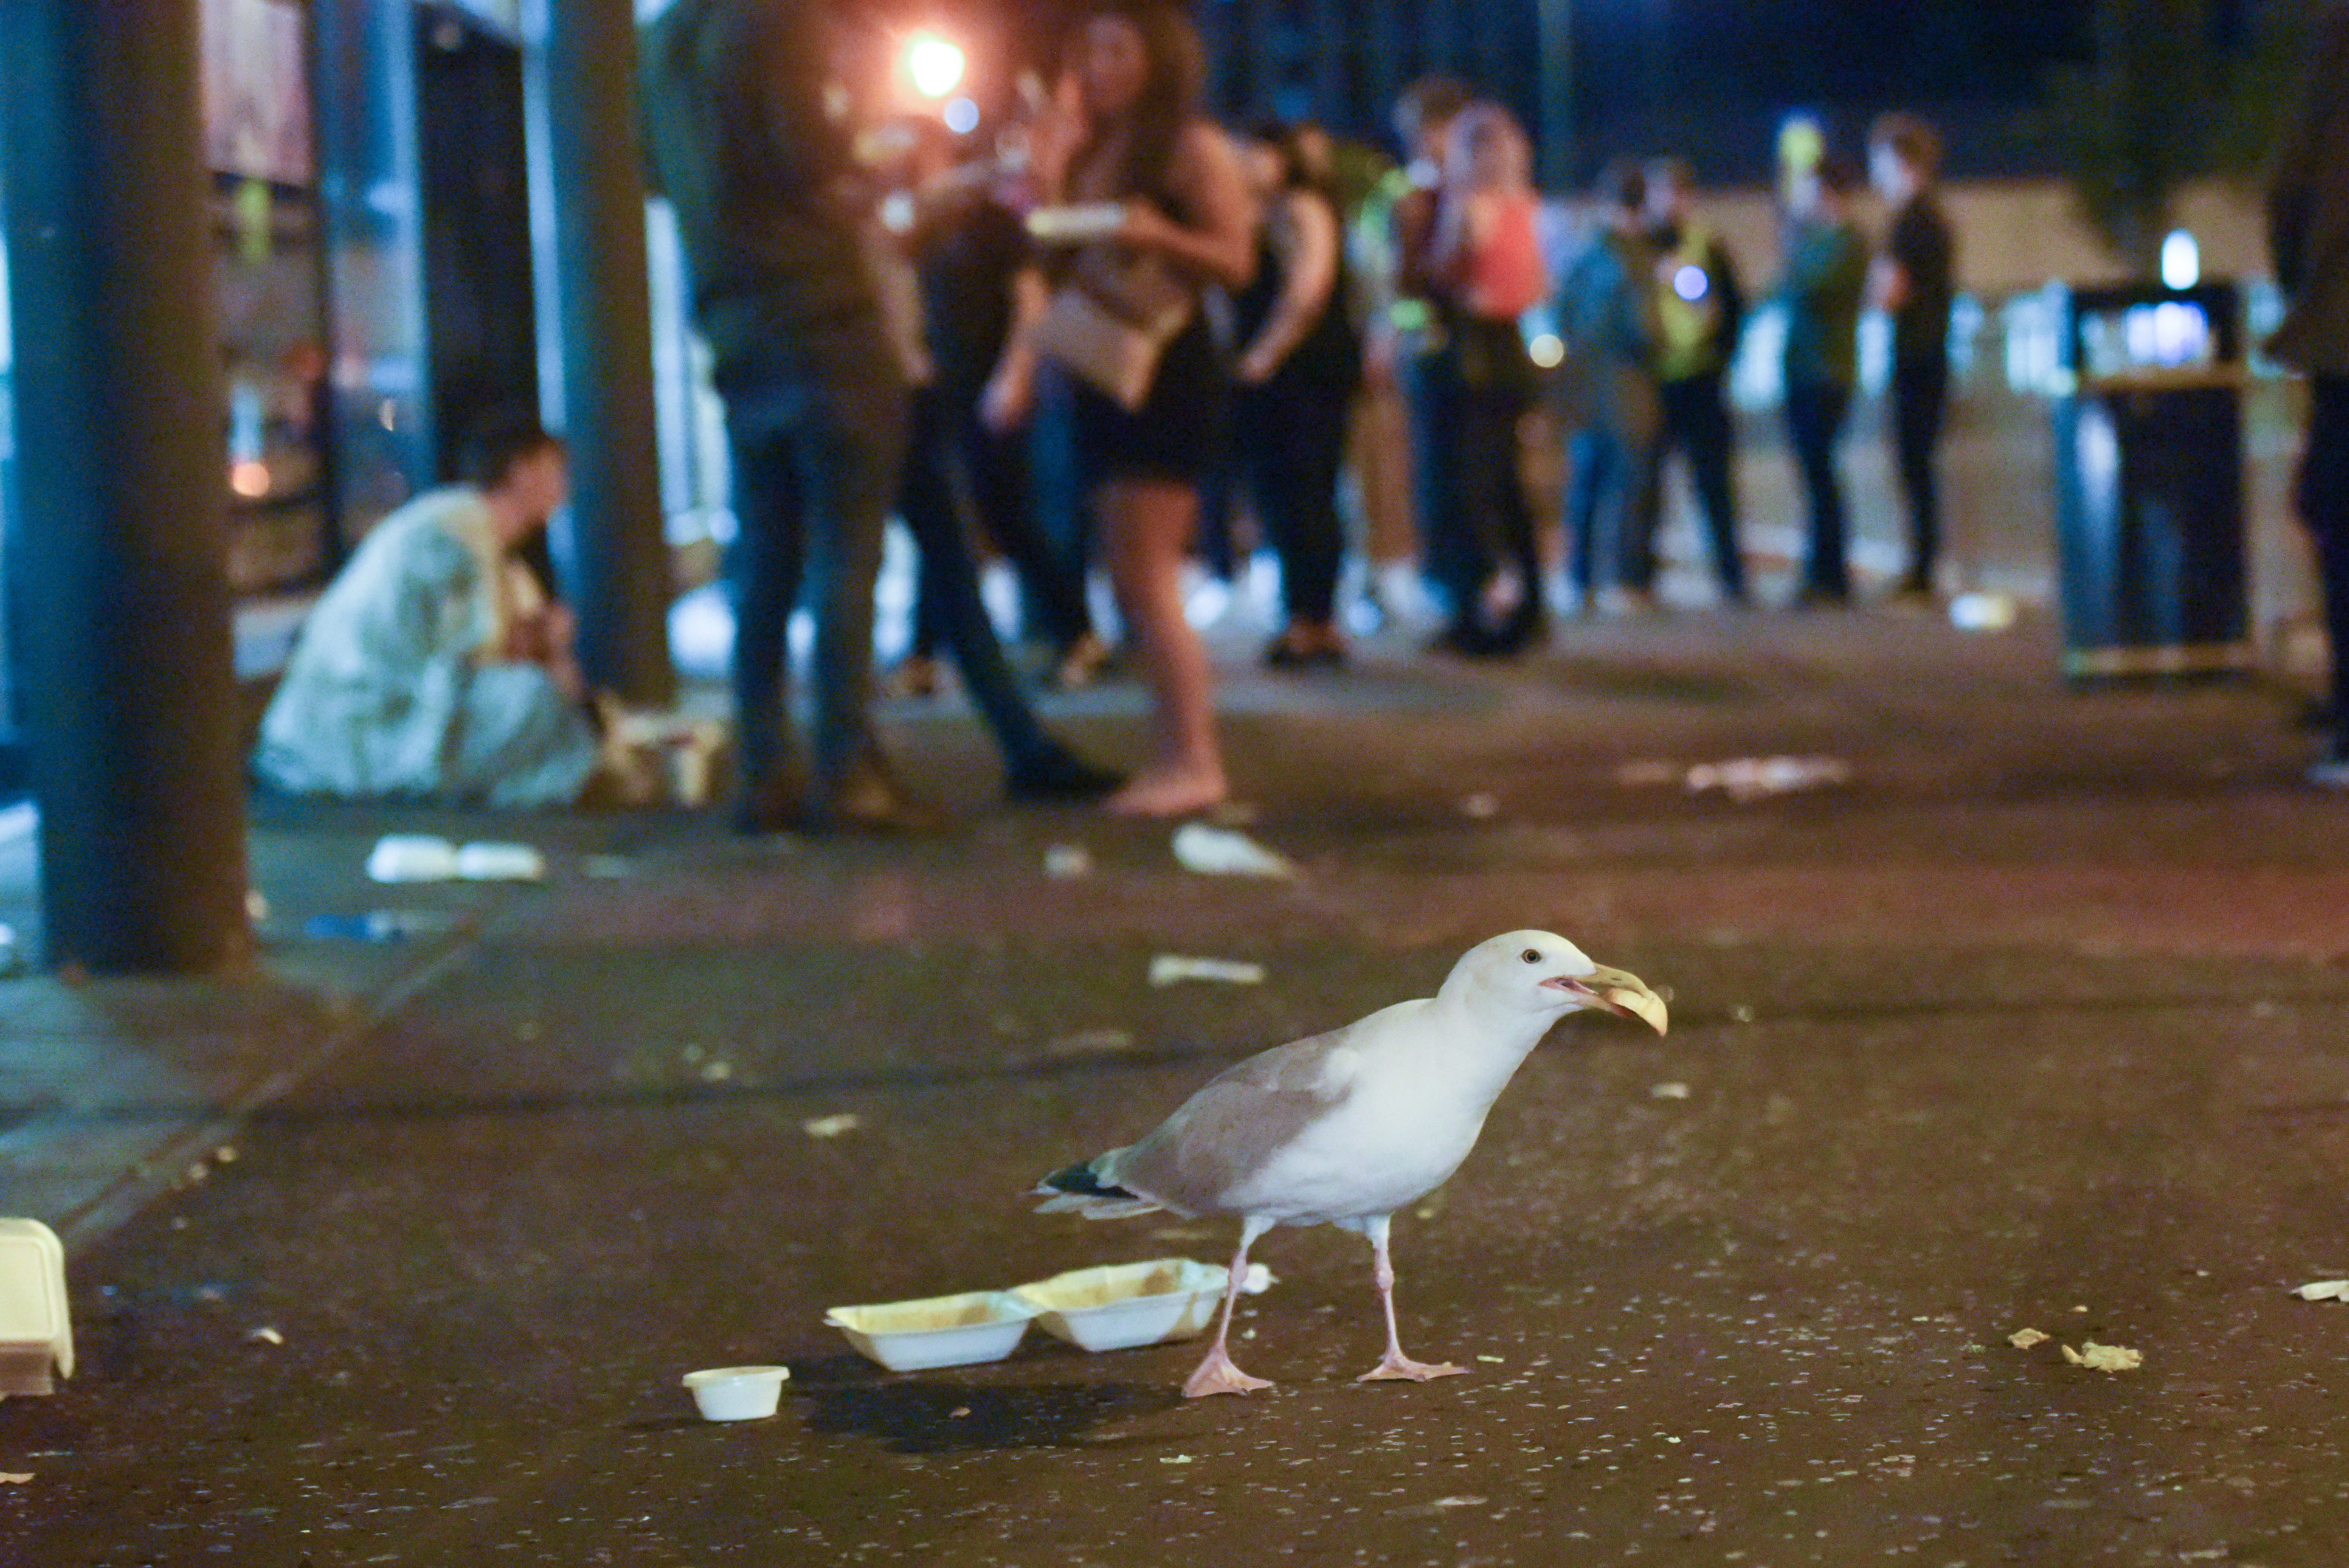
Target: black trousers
[(2324, 507), (994, 471), (1920, 404), (1292, 441), (1816, 411), (1697, 423)]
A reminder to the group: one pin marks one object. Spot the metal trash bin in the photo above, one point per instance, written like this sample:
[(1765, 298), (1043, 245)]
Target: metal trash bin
[(2149, 482)]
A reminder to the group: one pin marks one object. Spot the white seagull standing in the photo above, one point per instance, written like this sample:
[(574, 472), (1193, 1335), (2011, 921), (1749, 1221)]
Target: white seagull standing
[(1346, 1127)]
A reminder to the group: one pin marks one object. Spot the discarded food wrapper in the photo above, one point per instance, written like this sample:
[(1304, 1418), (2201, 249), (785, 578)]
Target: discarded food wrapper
[(2103, 1357), (500, 863), (1983, 612), (424, 857), (1675, 1091), (831, 1127), (411, 857), (1067, 862), (16, 1477), (35, 1330), (736, 1392), (382, 924), (942, 1331), (2325, 1291), (2024, 1338), (1748, 779), (1225, 852), (1481, 806), (266, 1336), (1171, 969)]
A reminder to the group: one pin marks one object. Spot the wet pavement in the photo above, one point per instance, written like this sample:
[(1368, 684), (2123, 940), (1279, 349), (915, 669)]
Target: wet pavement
[(2036, 1021)]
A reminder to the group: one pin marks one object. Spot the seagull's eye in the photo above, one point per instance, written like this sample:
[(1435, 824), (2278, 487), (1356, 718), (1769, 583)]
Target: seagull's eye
[(1531, 956)]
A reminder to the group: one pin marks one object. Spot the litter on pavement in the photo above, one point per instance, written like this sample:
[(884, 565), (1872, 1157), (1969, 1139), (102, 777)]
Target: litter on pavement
[(1668, 1091), (2024, 1338), (1748, 779), (1170, 969), (831, 1127), (736, 1392), (35, 1330), (1067, 862), (2104, 1357), (424, 857), (1983, 612), (2325, 1291), (1481, 806), (1225, 852), (14, 1478), (267, 1336)]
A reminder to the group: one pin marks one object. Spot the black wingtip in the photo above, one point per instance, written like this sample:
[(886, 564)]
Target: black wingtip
[(1082, 1180)]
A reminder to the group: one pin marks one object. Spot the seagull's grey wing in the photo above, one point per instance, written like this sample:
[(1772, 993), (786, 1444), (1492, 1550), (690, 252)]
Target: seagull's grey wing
[(1237, 1122)]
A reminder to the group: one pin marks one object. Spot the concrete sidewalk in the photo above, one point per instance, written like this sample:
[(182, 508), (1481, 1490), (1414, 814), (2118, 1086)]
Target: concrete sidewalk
[(2038, 1020)]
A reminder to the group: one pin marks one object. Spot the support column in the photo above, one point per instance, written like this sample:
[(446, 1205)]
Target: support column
[(1560, 154), (595, 293), (117, 555)]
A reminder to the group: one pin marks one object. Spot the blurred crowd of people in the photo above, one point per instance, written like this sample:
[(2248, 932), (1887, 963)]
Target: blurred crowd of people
[(899, 315)]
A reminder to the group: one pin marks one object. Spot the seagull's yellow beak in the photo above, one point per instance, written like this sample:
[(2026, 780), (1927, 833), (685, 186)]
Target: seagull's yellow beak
[(1620, 992)]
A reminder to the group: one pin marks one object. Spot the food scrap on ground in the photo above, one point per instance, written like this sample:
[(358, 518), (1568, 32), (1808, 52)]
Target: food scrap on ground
[(2325, 1291), (1224, 852), (2104, 1357), (831, 1127), (2024, 1338), (1172, 969)]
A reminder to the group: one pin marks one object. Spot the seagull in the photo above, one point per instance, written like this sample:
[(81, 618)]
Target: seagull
[(1346, 1127)]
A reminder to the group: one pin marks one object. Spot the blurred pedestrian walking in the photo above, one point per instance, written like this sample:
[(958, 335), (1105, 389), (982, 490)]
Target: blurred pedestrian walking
[(1700, 312), (946, 218), (749, 131), (1825, 276), (1607, 315), (1486, 268), (1152, 397), (1298, 368), (2308, 227), (1914, 281), (1413, 338)]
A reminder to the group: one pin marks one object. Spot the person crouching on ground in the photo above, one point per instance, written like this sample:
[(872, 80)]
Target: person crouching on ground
[(433, 668)]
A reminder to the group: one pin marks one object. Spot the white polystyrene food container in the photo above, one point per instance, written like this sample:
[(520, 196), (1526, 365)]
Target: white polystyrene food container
[(1125, 1305), (411, 857), (736, 1392), (942, 1331), (35, 1330)]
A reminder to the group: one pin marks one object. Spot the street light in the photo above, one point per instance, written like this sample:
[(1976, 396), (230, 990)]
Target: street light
[(936, 65)]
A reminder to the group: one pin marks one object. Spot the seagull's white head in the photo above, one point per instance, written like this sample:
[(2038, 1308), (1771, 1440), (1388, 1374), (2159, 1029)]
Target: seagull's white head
[(1540, 974)]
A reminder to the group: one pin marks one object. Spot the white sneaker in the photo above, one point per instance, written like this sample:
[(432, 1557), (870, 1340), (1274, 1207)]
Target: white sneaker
[(2333, 776)]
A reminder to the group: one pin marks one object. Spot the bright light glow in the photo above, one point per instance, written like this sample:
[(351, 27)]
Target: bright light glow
[(934, 65), (2181, 260), (249, 480), (1549, 351), (961, 117), (1691, 283)]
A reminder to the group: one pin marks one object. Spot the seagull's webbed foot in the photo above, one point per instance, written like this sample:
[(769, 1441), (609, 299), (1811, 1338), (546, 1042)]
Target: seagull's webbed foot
[(1217, 1375), (1399, 1368)]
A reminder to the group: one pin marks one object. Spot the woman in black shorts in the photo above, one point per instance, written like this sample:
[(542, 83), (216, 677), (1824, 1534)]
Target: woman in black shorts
[(1138, 68)]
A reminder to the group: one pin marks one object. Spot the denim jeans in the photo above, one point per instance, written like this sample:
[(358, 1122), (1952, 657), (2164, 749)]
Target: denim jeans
[(931, 505), (1816, 411), (816, 426)]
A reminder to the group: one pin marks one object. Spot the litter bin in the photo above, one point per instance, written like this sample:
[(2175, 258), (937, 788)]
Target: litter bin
[(2149, 482)]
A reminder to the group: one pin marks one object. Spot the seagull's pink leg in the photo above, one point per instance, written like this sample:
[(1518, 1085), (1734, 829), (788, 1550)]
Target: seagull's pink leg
[(1217, 1375), (1396, 1365)]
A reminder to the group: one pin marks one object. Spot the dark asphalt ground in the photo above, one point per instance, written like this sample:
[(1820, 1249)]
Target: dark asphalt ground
[(2037, 1021)]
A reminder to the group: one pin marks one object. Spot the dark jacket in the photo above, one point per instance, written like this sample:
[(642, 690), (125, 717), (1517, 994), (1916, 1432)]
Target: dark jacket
[(2308, 214), (737, 136), (1607, 318), (1826, 273)]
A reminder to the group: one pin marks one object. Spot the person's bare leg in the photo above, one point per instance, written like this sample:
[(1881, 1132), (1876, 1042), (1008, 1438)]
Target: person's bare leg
[(1146, 526), (1396, 1365), (1217, 1375)]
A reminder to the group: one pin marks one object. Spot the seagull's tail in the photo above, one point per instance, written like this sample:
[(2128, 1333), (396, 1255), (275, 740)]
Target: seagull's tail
[(1080, 1188)]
